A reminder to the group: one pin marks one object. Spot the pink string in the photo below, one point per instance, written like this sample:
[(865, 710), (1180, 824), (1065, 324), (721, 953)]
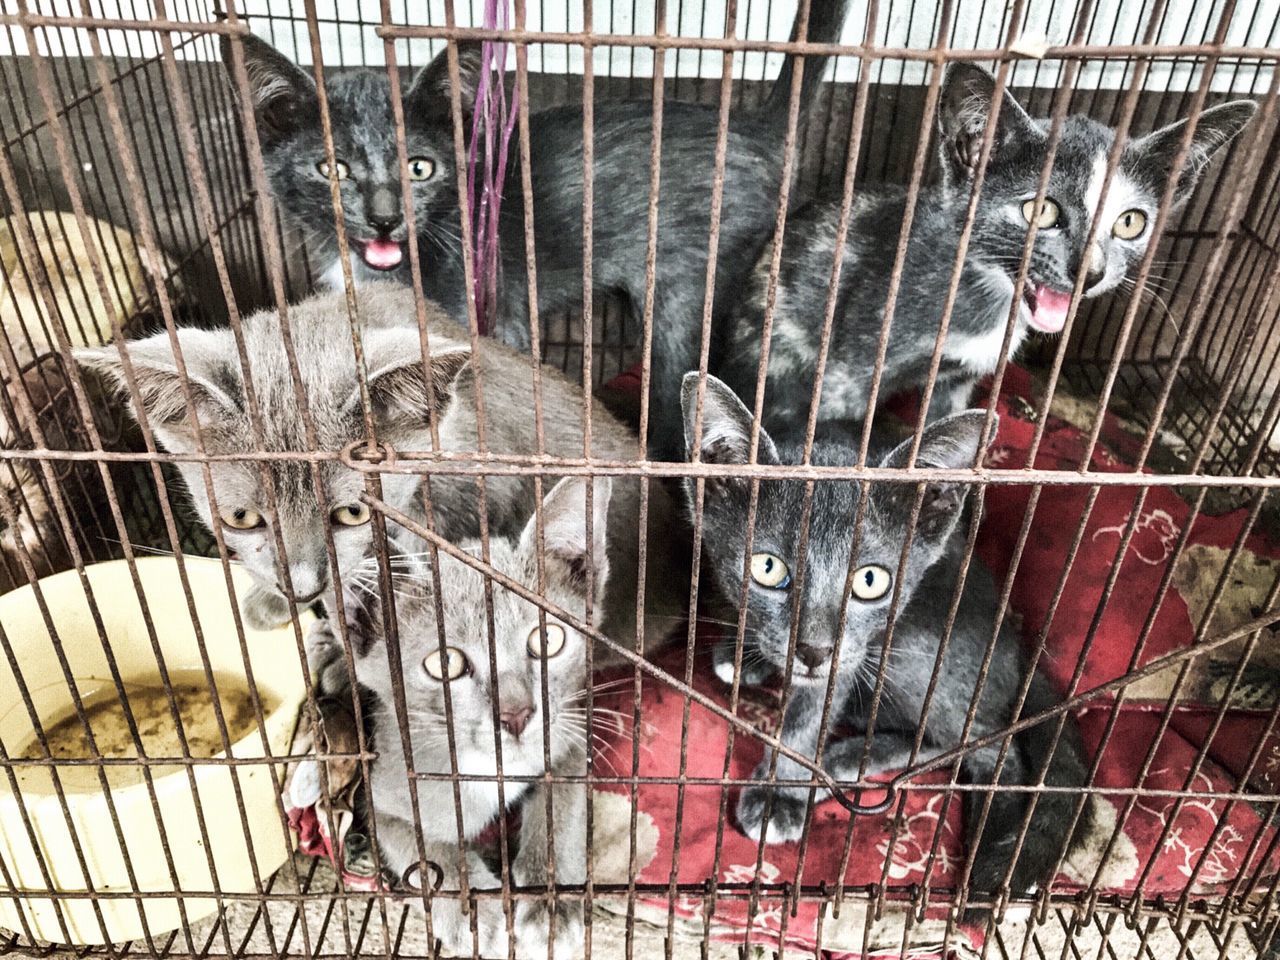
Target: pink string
[(486, 174)]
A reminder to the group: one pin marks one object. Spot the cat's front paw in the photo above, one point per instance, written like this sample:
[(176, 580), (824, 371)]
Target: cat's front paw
[(786, 814), (326, 660), (264, 608), (533, 930), (453, 929), (754, 674)]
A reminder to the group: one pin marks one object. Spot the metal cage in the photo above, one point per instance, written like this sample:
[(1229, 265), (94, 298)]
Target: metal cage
[(125, 144)]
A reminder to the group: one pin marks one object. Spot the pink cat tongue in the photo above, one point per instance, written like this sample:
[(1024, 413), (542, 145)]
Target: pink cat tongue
[(383, 254), (1050, 314)]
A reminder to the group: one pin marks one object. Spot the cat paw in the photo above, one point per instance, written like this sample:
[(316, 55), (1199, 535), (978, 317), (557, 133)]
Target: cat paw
[(786, 815), (325, 660), (264, 608), (753, 675), (453, 929), (533, 927)]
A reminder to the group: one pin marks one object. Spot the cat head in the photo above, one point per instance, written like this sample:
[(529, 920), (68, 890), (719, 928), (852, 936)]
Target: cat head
[(774, 588), (322, 344), (287, 113), (518, 637), (1019, 150)]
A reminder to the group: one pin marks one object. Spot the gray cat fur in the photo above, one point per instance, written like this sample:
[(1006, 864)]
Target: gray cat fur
[(470, 722), (321, 335), (982, 304), (364, 136), (926, 587)]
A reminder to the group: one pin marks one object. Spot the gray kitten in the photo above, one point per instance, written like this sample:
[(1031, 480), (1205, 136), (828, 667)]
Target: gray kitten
[(284, 99), (287, 113), (926, 589), (983, 301), (399, 393), (473, 689), (322, 343)]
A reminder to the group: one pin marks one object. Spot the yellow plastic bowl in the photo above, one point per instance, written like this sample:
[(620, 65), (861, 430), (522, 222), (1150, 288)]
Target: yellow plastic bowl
[(39, 848)]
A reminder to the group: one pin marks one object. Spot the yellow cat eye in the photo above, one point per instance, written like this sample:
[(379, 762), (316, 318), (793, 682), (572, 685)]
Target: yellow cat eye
[(770, 571), (350, 515), (1130, 225), (871, 582), (1047, 217), (454, 663), (421, 168), (242, 519), (555, 640), (323, 169)]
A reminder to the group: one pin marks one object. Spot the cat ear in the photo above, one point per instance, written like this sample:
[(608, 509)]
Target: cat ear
[(1215, 129), (967, 98), (214, 380), (398, 390), (726, 424), (947, 444), (564, 533), (283, 95), (430, 90)]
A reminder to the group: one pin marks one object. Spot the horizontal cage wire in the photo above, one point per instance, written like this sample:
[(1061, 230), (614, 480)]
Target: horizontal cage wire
[(640, 479)]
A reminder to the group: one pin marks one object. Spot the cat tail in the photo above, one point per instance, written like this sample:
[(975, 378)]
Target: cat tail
[(1045, 841), (826, 23)]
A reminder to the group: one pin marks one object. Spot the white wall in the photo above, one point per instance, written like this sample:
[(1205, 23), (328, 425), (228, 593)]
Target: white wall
[(978, 24)]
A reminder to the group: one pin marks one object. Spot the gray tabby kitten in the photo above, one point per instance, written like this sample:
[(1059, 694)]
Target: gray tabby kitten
[(524, 654), (1005, 208), (284, 98), (322, 343), (926, 590), (398, 388)]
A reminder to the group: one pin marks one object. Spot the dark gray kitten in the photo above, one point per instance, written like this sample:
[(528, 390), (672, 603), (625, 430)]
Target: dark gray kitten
[(926, 590), (287, 113), (515, 694), (364, 136), (982, 305)]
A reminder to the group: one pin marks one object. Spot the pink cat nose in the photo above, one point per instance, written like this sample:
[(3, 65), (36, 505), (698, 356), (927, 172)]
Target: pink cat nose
[(514, 721)]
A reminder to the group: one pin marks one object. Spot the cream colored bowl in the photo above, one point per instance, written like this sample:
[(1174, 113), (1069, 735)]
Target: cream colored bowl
[(39, 849)]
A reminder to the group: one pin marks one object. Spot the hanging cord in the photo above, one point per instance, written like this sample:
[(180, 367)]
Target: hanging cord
[(492, 122)]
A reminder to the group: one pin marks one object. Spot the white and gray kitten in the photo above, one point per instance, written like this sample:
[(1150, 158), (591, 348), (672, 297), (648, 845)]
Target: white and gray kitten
[(984, 298), (526, 656)]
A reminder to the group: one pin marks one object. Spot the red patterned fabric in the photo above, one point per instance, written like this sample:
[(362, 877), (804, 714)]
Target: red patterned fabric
[(314, 840)]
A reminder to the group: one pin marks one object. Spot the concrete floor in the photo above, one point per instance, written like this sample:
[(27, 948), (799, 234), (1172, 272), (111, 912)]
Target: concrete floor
[(1106, 938)]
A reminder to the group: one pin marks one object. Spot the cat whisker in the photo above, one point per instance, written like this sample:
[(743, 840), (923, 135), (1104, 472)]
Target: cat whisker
[(596, 715), (612, 684), (597, 689), (1154, 297), (154, 551)]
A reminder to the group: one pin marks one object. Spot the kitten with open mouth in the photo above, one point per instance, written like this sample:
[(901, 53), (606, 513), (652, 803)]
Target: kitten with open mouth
[(366, 166), (1005, 211), (369, 170)]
